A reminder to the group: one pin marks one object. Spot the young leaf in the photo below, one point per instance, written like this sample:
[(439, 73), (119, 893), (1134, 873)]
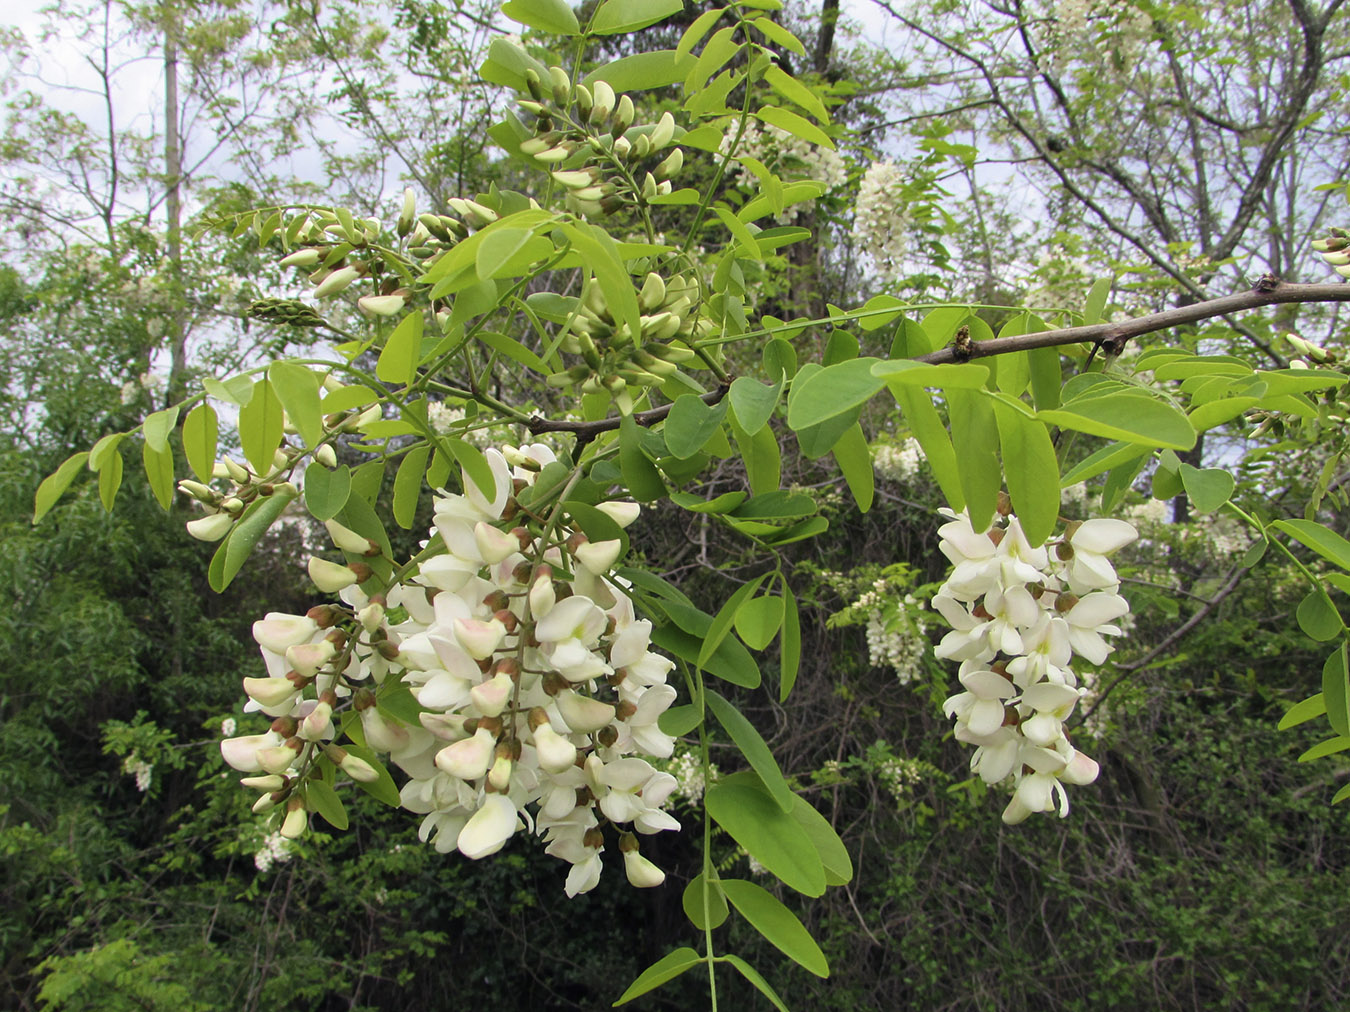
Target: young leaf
[(552, 16), (402, 351), (693, 903), (799, 127), (110, 479), (1096, 301), (158, 425), (1208, 488), (1303, 711), (1329, 747), (408, 485), (1032, 470), (200, 430), (855, 461), (831, 850), (321, 798), (762, 456), (326, 491), (159, 472), (680, 720), (726, 615), (753, 975), (790, 646), (916, 406), (751, 816), (754, 748), (668, 967), (822, 394), (1326, 543), (759, 620), (260, 427), (776, 923), (794, 91), (1336, 691), (238, 545), (297, 387), (1125, 416), (56, 483), (1318, 617)]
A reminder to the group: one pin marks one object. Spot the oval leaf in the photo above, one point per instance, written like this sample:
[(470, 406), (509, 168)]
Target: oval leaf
[(776, 923), (755, 821)]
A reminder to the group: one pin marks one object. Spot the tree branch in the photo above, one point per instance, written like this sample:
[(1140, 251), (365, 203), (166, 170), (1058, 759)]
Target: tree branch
[(1268, 292)]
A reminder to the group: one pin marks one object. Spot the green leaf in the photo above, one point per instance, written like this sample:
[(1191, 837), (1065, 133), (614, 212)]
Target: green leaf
[(778, 35), (753, 747), (1336, 691), (110, 478), (759, 620), (1318, 617), (1255, 551), (1096, 301), (658, 68), (1131, 418), (668, 967), (1206, 416), (680, 720), (790, 646), (776, 505), (776, 923), (158, 426), (639, 473), (1329, 747), (159, 472), (497, 249), (753, 975), (297, 387), (237, 390), (56, 483), (726, 615), (1326, 543), (1208, 488), (833, 854), (1104, 459), (855, 461), (801, 128), (916, 406), (720, 48), (200, 430), (600, 253), (693, 903), (821, 394), (1032, 471), (552, 16), (1304, 711), (473, 463), (326, 491), (731, 662), (1047, 375), (513, 349), (239, 543), (321, 798), (402, 351), (696, 32), (762, 456), (408, 485), (794, 91), (771, 836), (724, 503), (691, 423), (1341, 795), (975, 431), (260, 427)]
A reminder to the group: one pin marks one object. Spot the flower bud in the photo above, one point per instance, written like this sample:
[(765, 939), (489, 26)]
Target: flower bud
[(642, 874), (336, 282), (293, 826), (349, 541), (380, 305), (408, 215), (330, 577), (269, 782), (302, 258), (664, 131)]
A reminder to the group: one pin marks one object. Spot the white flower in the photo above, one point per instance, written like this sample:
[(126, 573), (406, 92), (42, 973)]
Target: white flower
[(489, 828)]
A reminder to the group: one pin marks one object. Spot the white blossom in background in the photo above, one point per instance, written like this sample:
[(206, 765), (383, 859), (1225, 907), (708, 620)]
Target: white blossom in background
[(1019, 613), (880, 222), (275, 850), (789, 157), (900, 463), (133, 765), (443, 417), (690, 781), (537, 695)]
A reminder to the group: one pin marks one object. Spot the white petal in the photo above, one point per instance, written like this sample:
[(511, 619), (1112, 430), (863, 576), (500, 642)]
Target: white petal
[(489, 828)]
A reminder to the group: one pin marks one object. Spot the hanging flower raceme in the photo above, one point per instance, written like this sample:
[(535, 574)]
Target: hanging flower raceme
[(1019, 613), (503, 671)]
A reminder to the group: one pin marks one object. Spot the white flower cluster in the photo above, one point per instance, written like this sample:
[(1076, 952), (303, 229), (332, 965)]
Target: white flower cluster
[(690, 780), (536, 690), (899, 463), (275, 849), (1019, 612), (898, 775), (790, 156), (133, 765), (880, 222)]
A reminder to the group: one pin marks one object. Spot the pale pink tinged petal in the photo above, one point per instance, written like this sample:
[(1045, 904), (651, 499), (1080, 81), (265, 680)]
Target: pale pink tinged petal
[(419, 653), (555, 753), (308, 658), (492, 696), (542, 597), (330, 577), (493, 544), (414, 599), (1080, 770), (1049, 697), (277, 631), (1103, 536), (599, 556), (454, 658), (445, 726), (446, 572), (271, 694), (489, 828), (479, 639), (583, 714), (468, 759), (380, 734), (1016, 812), (242, 752)]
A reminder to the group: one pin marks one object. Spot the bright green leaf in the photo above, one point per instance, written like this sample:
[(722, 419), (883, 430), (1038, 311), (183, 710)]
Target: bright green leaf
[(776, 923), (56, 483), (402, 351), (753, 747)]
